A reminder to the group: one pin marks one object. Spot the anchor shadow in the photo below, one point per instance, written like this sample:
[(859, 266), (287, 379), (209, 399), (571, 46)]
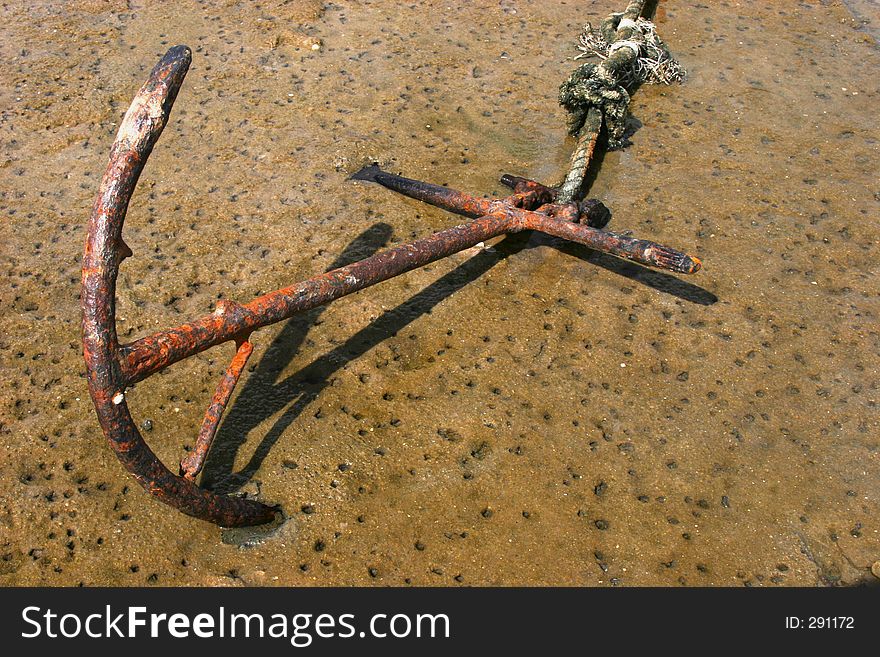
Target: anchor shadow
[(263, 395)]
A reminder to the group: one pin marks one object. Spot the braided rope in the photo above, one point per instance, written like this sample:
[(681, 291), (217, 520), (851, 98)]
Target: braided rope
[(631, 53)]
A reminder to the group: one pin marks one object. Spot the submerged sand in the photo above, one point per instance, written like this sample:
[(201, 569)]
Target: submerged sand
[(529, 413)]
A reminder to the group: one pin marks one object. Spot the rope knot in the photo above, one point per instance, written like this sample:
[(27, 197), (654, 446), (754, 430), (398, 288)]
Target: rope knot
[(631, 54), (587, 87)]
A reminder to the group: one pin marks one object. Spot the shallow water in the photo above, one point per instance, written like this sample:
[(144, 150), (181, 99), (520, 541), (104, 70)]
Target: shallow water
[(531, 413)]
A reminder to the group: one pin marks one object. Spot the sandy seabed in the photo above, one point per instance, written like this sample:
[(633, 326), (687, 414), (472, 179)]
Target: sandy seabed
[(528, 413)]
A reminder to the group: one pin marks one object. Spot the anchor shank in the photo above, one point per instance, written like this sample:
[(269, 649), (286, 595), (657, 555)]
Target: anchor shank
[(146, 356)]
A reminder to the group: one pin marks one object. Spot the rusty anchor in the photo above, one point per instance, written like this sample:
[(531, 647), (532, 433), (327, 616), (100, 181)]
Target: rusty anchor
[(113, 367)]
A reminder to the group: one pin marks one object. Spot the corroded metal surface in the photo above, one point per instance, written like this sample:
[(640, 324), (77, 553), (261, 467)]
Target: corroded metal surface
[(113, 367), (104, 251), (529, 208)]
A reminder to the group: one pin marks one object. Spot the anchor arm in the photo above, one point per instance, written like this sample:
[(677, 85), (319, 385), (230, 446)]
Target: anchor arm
[(104, 251)]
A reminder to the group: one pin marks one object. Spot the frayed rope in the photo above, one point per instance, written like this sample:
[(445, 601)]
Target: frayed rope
[(654, 64), (604, 86)]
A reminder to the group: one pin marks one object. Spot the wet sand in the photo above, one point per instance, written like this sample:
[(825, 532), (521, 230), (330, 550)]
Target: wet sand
[(530, 413)]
